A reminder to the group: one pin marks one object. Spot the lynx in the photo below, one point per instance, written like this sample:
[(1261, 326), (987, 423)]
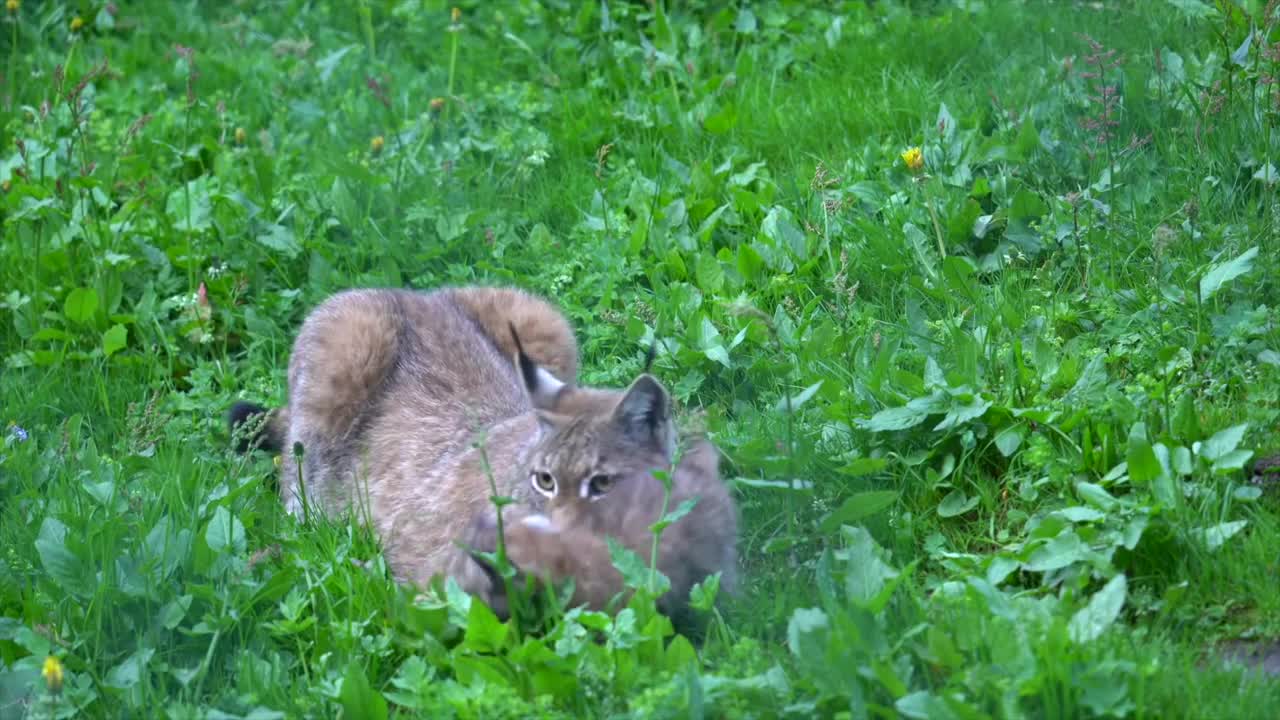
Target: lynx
[(389, 391)]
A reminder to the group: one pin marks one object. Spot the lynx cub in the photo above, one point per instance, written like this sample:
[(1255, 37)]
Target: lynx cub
[(389, 391)]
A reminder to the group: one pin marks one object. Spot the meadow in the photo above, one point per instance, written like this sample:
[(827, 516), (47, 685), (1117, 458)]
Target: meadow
[(976, 297)]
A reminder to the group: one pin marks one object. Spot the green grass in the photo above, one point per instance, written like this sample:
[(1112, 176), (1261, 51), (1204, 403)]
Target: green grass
[(1026, 387)]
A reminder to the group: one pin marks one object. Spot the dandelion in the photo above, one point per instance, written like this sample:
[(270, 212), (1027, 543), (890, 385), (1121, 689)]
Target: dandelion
[(52, 674), (913, 158), (12, 5), (375, 145), (77, 22), (241, 136), (455, 14), (436, 105)]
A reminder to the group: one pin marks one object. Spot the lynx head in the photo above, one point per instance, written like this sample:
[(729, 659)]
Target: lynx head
[(606, 451)]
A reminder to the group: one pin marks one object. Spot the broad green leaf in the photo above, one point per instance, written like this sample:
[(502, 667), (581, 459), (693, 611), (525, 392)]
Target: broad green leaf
[(359, 699), (80, 305), (750, 264), (1100, 613), (1008, 440), (1141, 458), (1065, 549), (1181, 461), (1215, 535), (191, 207), (327, 64), (485, 633), (921, 248), (702, 596), (709, 273), (1092, 379), (225, 532), (174, 611), (129, 673), (1163, 485), (1222, 442), (1234, 460), (1133, 531), (922, 705), (1247, 493), (680, 655), (945, 124), (906, 416), (868, 578), (863, 466), (1000, 568), (857, 507), (281, 239), (959, 414), (1079, 513), (779, 227), (671, 517), (800, 399), (899, 418), (635, 571), (956, 503), (1224, 272), (712, 342), (62, 565), (114, 340), (1197, 9), (807, 634), (1240, 56)]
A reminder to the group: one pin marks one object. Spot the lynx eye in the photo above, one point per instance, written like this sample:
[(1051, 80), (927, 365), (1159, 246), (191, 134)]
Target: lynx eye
[(597, 486), (543, 482)]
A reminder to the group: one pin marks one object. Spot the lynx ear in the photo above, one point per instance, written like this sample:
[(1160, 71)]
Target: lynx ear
[(644, 414), (543, 387)]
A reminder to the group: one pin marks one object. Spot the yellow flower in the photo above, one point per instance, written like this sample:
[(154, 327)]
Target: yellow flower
[(455, 15), (12, 5), (913, 158), (436, 104), (375, 145), (52, 674), (77, 22), (241, 136)]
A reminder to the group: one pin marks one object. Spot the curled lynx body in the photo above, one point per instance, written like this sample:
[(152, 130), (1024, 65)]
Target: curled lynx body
[(389, 391)]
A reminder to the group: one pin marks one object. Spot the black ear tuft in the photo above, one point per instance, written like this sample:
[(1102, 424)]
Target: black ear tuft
[(644, 413), (528, 368), (543, 387), (650, 355)]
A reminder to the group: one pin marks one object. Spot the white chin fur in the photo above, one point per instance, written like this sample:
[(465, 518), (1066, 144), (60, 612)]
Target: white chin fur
[(540, 523)]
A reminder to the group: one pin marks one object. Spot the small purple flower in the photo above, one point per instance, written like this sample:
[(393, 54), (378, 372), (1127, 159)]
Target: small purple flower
[(17, 432)]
